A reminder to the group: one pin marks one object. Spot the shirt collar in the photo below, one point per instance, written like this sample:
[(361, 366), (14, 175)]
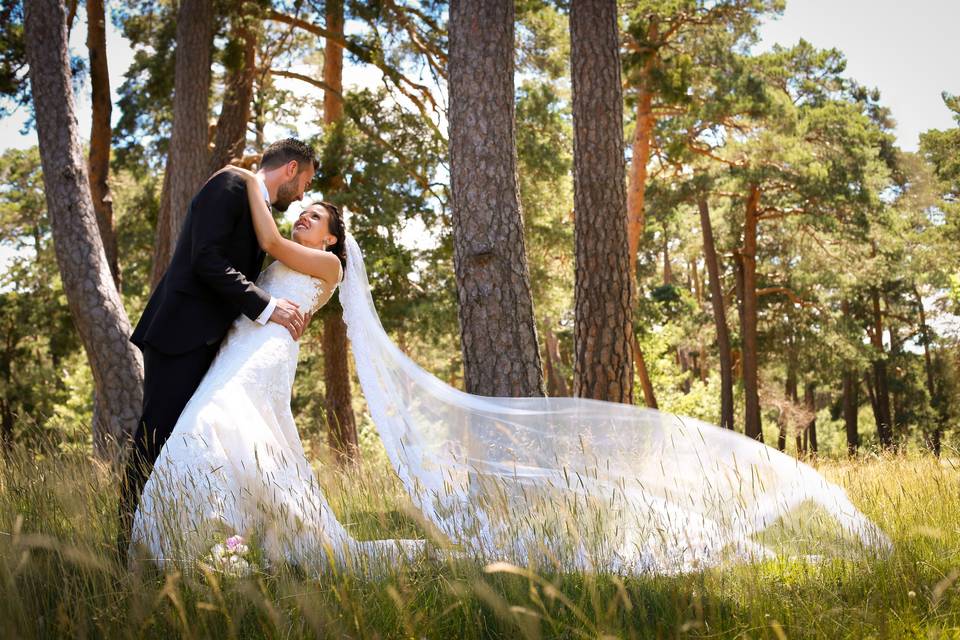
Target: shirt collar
[(263, 188)]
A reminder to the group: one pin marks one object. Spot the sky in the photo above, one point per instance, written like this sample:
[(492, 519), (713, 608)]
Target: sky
[(908, 50)]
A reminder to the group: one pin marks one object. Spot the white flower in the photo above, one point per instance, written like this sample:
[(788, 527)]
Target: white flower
[(217, 553), (237, 566)]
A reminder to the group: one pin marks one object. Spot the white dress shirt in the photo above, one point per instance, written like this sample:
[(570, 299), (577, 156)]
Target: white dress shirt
[(264, 316)]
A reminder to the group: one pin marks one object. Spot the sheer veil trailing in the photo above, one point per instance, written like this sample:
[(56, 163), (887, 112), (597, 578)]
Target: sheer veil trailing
[(585, 484)]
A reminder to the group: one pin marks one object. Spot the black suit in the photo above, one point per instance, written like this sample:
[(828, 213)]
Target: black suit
[(208, 283)]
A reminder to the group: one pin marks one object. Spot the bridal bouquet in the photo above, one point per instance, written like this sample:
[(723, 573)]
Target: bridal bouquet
[(232, 556)]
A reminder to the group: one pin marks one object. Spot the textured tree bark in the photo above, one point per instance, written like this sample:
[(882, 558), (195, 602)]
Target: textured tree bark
[(100, 133), (880, 391), (719, 316), (189, 157), (667, 268), (748, 260), (810, 402), (850, 402), (603, 296), (649, 398), (498, 335), (6, 427), (231, 136), (636, 191), (333, 67), (895, 401), (341, 421), (93, 299), (556, 384), (790, 391), (934, 440), (162, 250), (636, 194)]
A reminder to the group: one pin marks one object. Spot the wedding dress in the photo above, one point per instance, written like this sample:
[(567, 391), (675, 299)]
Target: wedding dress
[(234, 462), (569, 483), (582, 484)]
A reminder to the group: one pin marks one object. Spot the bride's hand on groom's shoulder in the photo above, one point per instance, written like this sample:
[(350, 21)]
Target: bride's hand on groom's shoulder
[(246, 174)]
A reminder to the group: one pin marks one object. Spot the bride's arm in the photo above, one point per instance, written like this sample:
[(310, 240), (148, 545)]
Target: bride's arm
[(315, 262)]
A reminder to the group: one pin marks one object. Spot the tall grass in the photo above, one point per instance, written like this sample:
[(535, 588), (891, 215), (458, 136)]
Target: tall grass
[(59, 576)]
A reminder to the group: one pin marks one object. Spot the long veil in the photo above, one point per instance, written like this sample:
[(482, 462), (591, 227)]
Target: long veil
[(581, 483)]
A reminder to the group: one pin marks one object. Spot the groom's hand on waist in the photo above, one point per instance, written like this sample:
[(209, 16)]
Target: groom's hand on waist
[(287, 313)]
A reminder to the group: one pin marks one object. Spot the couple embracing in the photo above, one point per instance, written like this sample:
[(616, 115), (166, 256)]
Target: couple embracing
[(216, 447), (579, 483)]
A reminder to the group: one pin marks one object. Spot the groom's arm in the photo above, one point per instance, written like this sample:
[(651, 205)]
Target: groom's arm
[(217, 211)]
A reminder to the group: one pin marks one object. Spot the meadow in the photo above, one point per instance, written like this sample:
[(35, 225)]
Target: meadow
[(59, 576)]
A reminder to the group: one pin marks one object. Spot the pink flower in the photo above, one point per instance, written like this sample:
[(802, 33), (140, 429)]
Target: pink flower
[(234, 541)]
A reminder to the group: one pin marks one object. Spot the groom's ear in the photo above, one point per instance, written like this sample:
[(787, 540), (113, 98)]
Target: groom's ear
[(291, 169)]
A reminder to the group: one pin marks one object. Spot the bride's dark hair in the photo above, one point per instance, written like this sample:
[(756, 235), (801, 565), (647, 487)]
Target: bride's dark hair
[(337, 228)]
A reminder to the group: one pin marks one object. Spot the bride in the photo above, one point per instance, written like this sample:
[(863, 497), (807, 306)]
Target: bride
[(234, 462), (569, 482)]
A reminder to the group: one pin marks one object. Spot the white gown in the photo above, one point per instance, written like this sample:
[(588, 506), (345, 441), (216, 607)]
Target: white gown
[(234, 462), (570, 482)]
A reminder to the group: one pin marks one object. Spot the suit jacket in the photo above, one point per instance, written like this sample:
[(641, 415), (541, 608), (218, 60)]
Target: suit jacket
[(210, 279)]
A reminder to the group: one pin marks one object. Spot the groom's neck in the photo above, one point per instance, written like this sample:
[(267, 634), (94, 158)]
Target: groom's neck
[(272, 182)]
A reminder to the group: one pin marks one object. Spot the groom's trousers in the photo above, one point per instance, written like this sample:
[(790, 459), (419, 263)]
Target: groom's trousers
[(168, 383)]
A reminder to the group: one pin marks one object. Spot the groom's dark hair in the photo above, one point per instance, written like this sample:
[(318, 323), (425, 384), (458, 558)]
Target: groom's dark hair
[(283, 151)]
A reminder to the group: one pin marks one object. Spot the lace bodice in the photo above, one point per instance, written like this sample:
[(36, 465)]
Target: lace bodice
[(264, 357), (281, 281)]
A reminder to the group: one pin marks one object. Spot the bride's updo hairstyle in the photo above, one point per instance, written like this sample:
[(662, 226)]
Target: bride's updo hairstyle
[(337, 228)]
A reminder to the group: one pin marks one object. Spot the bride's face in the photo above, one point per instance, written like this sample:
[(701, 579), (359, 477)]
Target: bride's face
[(312, 228)]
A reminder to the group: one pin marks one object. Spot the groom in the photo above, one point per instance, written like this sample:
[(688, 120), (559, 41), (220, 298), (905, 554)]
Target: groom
[(208, 283)]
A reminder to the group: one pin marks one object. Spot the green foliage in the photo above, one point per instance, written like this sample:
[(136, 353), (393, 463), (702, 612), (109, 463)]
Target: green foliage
[(942, 149), (37, 338), (13, 58)]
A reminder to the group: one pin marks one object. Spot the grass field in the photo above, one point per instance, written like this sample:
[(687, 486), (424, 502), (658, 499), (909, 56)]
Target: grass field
[(59, 578)]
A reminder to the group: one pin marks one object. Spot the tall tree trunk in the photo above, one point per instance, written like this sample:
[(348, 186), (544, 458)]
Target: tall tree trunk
[(636, 190), (928, 368), (556, 385), (748, 328), (881, 405), (100, 133), (341, 421), (667, 269), (851, 388), (719, 316), (636, 195), (895, 350), (810, 401), (603, 305), (851, 400), (188, 159), (93, 299), (649, 398), (693, 276), (231, 136), (790, 389), (6, 426), (498, 334)]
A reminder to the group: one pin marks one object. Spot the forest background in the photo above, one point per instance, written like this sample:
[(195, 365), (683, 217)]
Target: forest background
[(820, 317)]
